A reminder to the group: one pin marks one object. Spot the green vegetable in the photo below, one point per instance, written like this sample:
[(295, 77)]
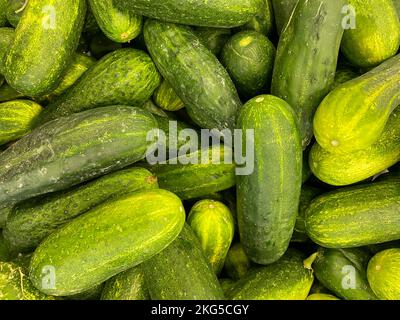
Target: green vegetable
[(283, 9), (3, 10), (263, 22), (15, 9), (6, 39), (321, 296), (213, 38), (4, 251), (237, 264), (100, 45), (166, 98), (4, 212), (343, 75), (8, 93)]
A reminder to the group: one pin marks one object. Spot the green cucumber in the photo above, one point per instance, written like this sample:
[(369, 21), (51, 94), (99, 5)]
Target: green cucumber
[(4, 251), (213, 224), (268, 198), (321, 296), (237, 264), (100, 45), (119, 26), (34, 219), (376, 35), (53, 39), (126, 76), (353, 116), (17, 118), (216, 13), (343, 75), (306, 62), (213, 38), (3, 10), (263, 22), (187, 64), (179, 178), (109, 239), (7, 93), (91, 294), (249, 58), (343, 271), (90, 27), (166, 98), (4, 213), (127, 285), (362, 164), (15, 9), (71, 150), (6, 38), (283, 10), (383, 274), (397, 5), (227, 285), (286, 279), (356, 216), (181, 272)]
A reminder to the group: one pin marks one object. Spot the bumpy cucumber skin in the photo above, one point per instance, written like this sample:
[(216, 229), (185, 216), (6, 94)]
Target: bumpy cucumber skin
[(186, 64), (166, 98), (6, 37), (353, 116), (376, 36), (3, 15), (128, 285), (119, 26), (34, 219), (107, 240), (213, 224), (355, 216), (125, 76), (268, 198), (283, 9), (306, 61), (348, 168), (15, 9), (181, 272), (383, 274), (71, 150), (17, 118), (216, 13), (321, 296), (249, 58), (213, 38), (286, 279), (237, 264), (263, 22), (54, 39), (331, 267)]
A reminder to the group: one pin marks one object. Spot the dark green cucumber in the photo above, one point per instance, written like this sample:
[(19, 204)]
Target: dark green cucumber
[(216, 13), (306, 62), (249, 58), (227, 285), (283, 10), (287, 279), (343, 75), (3, 13), (15, 9), (109, 239), (34, 219), (100, 45), (268, 198), (356, 216), (187, 64), (4, 251), (362, 164), (4, 212), (119, 26), (17, 118), (263, 22), (166, 98), (376, 34), (343, 271), (6, 39), (321, 296), (237, 264), (213, 38), (127, 285), (179, 178), (353, 116), (126, 76), (213, 224), (383, 274), (49, 30), (71, 150), (181, 272), (7, 93)]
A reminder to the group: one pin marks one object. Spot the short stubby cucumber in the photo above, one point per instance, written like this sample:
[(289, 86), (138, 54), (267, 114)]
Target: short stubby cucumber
[(268, 198), (73, 149), (107, 240)]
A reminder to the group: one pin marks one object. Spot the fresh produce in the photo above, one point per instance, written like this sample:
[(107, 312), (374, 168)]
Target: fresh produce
[(263, 22), (3, 10), (15, 9), (283, 9), (6, 38), (321, 296), (213, 38), (7, 93), (237, 264), (4, 251), (268, 198), (166, 98)]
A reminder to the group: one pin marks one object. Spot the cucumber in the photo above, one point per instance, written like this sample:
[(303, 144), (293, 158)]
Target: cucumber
[(15, 9), (306, 62), (17, 118), (166, 98), (6, 38), (343, 75), (376, 36), (4, 213), (356, 216), (187, 64), (3, 10), (397, 5), (352, 117), (109, 239), (54, 40), (249, 58), (216, 13), (91, 294), (126, 76), (213, 224), (8, 93), (181, 272), (283, 9), (321, 296), (237, 264), (179, 178), (343, 271), (4, 251), (34, 219), (361, 164), (227, 285), (100, 45), (286, 279), (213, 38), (383, 274), (71, 150), (263, 22), (127, 285), (119, 26), (90, 27), (268, 198)]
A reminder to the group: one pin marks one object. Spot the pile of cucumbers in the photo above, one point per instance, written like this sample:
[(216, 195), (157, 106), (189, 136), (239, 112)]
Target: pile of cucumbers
[(84, 215)]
